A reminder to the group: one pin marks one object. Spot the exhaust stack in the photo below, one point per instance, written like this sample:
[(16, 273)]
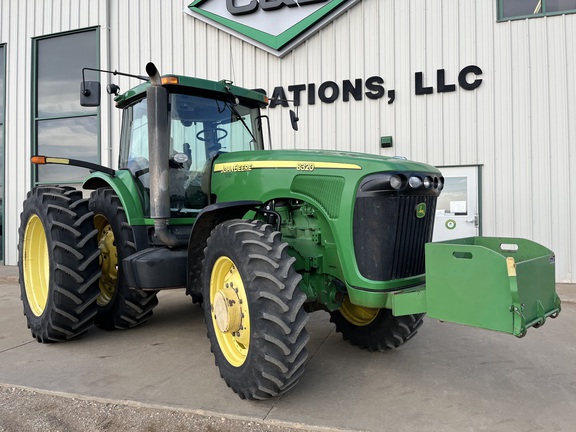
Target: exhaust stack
[(159, 155)]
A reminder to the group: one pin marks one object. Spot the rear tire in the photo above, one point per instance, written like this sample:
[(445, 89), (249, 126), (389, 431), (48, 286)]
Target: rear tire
[(253, 309), (119, 306), (374, 329), (58, 263)]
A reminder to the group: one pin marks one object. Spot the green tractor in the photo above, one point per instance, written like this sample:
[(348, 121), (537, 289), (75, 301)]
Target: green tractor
[(260, 238)]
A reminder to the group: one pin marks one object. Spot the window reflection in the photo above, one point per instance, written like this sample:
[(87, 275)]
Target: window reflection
[(63, 127), (560, 5), (74, 138), (454, 197), (521, 7), (60, 63)]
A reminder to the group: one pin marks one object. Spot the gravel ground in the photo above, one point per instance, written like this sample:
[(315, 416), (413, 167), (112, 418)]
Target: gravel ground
[(23, 410)]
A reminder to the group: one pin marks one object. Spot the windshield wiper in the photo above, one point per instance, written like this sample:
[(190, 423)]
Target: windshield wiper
[(232, 107)]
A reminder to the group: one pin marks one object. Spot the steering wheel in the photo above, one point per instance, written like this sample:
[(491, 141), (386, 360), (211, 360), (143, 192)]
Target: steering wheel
[(202, 134)]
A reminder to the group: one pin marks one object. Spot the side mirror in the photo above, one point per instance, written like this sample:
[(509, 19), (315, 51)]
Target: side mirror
[(90, 93), (294, 120)]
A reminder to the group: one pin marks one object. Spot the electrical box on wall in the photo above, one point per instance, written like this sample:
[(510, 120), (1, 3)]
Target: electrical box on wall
[(386, 141)]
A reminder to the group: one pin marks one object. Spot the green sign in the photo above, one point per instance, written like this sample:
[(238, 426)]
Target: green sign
[(277, 26)]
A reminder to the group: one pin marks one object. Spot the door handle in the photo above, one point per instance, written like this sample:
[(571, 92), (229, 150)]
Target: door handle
[(473, 220)]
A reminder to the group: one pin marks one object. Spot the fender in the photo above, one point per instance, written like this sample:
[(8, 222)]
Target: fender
[(206, 221), (125, 187)]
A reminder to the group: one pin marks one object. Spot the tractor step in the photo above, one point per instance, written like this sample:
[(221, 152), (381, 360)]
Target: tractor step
[(156, 268)]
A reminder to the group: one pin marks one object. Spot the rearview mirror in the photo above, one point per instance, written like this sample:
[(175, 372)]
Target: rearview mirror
[(90, 93), (294, 120)]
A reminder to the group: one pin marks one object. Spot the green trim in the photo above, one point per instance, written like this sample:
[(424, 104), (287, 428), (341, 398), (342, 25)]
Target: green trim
[(275, 42), (34, 101)]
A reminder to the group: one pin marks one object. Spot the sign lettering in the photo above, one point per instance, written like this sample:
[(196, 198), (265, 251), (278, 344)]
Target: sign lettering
[(372, 88), (266, 5)]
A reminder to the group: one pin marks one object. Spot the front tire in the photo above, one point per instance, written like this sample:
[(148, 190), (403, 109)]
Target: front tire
[(119, 306), (253, 309), (374, 329), (57, 263)]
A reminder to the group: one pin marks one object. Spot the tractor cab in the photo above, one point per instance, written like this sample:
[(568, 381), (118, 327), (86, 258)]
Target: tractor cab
[(200, 128)]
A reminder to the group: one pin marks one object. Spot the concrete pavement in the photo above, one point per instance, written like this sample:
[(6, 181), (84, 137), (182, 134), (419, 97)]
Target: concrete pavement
[(447, 378)]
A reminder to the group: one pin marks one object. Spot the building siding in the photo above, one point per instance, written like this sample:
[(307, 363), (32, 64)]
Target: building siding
[(517, 124)]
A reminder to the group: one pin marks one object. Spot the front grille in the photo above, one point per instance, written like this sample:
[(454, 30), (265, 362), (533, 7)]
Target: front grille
[(389, 238)]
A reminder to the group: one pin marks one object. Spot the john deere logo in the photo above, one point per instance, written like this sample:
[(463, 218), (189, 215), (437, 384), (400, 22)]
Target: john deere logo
[(276, 26), (421, 210)]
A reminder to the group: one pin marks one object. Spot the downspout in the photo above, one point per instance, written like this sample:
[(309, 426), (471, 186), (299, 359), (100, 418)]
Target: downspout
[(159, 155)]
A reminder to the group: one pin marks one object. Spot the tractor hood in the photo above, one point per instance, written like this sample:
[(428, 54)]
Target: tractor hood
[(316, 160)]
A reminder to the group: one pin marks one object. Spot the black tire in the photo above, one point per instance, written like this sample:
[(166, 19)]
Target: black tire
[(119, 306), (58, 263), (374, 329), (247, 269)]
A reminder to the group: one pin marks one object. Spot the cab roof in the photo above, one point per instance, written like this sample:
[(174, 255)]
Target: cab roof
[(200, 87)]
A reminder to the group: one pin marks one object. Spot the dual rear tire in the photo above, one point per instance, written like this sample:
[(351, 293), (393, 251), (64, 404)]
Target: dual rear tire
[(58, 264), (68, 252)]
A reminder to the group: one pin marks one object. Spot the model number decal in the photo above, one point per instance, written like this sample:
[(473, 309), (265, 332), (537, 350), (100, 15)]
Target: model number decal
[(305, 166)]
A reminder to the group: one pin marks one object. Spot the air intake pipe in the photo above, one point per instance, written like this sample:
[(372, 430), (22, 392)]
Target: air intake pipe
[(159, 155)]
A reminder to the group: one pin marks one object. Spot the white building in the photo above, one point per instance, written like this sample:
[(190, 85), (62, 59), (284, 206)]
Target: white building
[(483, 88)]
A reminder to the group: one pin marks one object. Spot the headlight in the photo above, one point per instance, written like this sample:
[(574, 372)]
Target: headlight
[(441, 183), (427, 182), (415, 182), (395, 182)]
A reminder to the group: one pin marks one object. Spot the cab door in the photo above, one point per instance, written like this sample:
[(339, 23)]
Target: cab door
[(457, 210)]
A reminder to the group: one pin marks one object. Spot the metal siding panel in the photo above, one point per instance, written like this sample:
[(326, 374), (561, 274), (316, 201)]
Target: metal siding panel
[(418, 111), (467, 100), (569, 238), (403, 77), (436, 33), (503, 132), (521, 142), (538, 166), (347, 43), (65, 16), (328, 139), (371, 33), (387, 68), (486, 112), (559, 217), (450, 61), (313, 114)]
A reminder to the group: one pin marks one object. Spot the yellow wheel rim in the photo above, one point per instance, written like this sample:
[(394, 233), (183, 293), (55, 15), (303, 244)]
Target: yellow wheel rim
[(358, 315), (229, 311), (36, 265), (108, 260)]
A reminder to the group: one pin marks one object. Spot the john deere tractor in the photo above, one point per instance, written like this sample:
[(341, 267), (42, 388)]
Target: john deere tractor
[(260, 238)]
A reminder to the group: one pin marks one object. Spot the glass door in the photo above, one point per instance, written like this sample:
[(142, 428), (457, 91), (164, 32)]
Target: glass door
[(457, 214)]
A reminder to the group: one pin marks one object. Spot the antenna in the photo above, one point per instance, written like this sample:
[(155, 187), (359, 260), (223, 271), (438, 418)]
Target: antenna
[(232, 63)]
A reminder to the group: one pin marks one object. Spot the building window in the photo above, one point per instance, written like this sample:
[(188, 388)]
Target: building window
[(2, 106), (63, 128), (515, 9)]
